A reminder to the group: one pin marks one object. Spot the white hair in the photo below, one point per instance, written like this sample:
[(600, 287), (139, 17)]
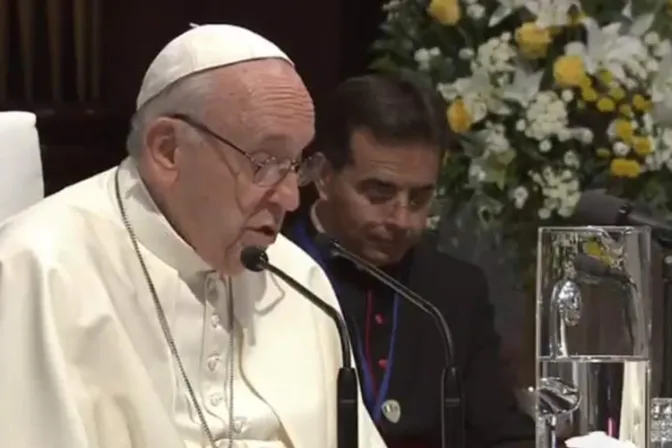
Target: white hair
[(187, 96)]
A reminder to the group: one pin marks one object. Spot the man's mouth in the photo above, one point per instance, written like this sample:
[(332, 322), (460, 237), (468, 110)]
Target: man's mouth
[(266, 234)]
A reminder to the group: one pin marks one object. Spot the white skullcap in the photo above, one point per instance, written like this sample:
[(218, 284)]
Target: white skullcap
[(202, 48)]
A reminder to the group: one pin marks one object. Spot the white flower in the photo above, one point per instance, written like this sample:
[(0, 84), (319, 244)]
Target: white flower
[(606, 48), (433, 222), (424, 57), (560, 189), (661, 92), (546, 116), (495, 55), (466, 54), (392, 9), (621, 149), (652, 65), (545, 146), (520, 125), (567, 96), (584, 135), (478, 94), (663, 49), (544, 213), (495, 139), (477, 173), (571, 159), (652, 38), (520, 196), (476, 11), (551, 12), (524, 87)]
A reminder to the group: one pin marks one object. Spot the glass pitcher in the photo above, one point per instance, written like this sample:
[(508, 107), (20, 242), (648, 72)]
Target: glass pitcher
[(593, 333)]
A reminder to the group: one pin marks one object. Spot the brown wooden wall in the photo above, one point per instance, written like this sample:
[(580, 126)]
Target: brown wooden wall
[(83, 123)]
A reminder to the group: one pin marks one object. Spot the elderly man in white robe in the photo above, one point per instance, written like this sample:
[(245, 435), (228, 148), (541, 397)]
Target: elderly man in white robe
[(126, 317)]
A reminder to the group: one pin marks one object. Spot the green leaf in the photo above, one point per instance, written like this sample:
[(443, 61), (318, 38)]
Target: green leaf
[(383, 64), (506, 157)]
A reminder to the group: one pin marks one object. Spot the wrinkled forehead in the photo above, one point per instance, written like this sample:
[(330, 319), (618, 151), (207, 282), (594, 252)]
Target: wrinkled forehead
[(262, 103)]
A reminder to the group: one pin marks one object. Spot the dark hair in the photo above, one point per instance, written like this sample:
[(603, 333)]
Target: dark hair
[(396, 108)]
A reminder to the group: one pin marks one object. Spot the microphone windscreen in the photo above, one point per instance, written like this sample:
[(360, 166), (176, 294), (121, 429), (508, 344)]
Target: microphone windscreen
[(254, 258), (595, 208)]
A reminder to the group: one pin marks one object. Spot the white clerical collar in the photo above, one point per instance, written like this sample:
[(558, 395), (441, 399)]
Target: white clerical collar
[(151, 227), (313, 218)]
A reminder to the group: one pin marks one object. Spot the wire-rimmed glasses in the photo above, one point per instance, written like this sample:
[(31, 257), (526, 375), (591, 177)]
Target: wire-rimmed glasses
[(270, 171)]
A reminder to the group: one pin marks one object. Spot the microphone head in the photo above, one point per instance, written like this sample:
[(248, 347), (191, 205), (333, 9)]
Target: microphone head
[(254, 258), (596, 208)]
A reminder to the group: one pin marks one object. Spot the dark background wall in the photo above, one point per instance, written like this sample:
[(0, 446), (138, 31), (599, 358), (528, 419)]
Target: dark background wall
[(328, 41)]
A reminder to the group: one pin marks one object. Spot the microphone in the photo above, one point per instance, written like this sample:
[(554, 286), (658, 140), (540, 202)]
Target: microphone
[(595, 267), (255, 259), (596, 208), (452, 409)]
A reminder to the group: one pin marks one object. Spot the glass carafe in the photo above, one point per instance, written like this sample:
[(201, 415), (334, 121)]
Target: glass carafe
[(593, 333)]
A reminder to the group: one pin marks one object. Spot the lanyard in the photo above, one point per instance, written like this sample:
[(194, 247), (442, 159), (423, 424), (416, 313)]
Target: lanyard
[(374, 401)]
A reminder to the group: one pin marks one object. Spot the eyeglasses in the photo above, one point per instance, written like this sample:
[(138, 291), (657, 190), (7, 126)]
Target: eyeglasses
[(270, 171)]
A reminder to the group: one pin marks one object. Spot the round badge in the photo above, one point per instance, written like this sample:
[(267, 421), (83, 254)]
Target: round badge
[(392, 411)]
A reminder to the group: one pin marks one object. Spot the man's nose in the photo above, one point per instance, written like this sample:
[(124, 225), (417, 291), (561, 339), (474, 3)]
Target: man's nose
[(400, 216), (286, 193)]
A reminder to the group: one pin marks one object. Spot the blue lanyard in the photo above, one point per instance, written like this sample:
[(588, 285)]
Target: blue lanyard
[(374, 403)]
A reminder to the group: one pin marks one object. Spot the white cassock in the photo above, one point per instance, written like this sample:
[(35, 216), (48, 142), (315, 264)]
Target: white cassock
[(84, 362)]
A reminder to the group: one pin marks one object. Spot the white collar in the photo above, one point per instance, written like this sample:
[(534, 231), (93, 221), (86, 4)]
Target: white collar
[(314, 219), (152, 228)]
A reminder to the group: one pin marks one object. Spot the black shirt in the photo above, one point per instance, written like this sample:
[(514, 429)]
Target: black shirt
[(459, 290)]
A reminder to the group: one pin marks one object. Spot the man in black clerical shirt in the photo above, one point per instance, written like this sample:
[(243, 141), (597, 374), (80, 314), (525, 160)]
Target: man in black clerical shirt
[(383, 137)]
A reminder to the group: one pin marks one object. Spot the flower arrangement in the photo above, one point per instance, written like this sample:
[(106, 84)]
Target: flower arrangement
[(548, 97)]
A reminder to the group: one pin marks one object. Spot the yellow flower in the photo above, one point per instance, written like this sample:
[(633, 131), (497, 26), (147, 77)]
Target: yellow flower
[(624, 130), (640, 103), (605, 77), (606, 104), (621, 167), (589, 95), (594, 249), (626, 110), (617, 93), (586, 82), (642, 145), (569, 71), (533, 40), (603, 153), (446, 12), (459, 119)]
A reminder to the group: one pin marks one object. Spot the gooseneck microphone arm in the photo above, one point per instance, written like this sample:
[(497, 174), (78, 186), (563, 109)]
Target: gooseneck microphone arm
[(347, 413), (452, 406)]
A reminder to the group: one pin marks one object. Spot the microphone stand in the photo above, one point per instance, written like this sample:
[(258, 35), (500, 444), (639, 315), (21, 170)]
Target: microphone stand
[(347, 413), (452, 408)]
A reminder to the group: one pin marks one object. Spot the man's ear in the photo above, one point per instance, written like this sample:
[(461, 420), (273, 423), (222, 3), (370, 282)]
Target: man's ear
[(160, 142), (324, 180)]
